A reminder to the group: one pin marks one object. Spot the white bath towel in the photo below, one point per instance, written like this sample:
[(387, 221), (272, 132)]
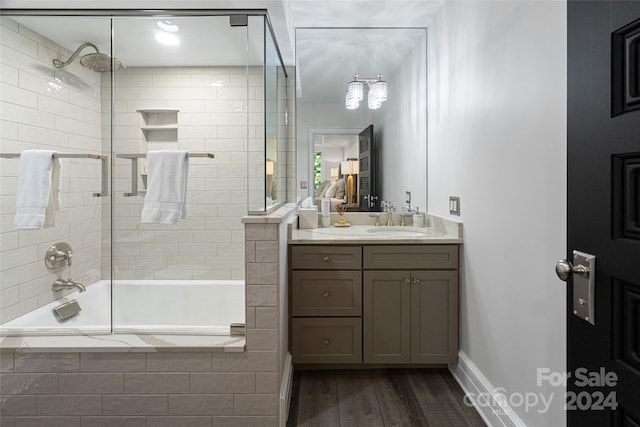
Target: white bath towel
[(166, 199), (38, 193)]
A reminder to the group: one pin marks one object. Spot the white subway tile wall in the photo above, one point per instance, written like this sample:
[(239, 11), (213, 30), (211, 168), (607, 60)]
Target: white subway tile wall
[(209, 243), (45, 108)]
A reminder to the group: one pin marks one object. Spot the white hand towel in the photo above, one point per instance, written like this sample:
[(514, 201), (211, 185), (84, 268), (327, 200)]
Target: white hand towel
[(166, 199), (38, 193)]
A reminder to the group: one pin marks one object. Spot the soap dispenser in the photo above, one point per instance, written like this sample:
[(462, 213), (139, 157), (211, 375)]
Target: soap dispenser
[(418, 218)]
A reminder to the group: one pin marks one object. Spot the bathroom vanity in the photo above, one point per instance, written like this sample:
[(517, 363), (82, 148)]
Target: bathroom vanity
[(374, 295)]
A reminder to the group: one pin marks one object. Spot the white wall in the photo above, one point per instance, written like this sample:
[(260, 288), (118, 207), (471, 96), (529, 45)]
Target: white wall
[(400, 127), (497, 132)]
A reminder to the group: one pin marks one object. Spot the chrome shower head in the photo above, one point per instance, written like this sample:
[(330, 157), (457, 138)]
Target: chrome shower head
[(97, 61), (100, 62)]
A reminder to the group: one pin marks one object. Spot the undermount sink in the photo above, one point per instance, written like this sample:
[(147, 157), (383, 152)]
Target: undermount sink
[(400, 231)]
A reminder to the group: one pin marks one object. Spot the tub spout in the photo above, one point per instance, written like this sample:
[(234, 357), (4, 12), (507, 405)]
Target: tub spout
[(63, 285)]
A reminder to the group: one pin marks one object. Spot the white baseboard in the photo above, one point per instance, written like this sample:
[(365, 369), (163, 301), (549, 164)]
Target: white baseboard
[(285, 390), (493, 410)]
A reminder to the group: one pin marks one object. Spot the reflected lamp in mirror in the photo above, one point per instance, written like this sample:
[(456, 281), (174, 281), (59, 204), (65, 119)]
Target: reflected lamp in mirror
[(334, 174), (350, 167), (269, 167)]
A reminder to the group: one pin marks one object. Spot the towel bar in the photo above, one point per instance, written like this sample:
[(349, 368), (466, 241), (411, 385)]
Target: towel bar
[(134, 167), (103, 159)]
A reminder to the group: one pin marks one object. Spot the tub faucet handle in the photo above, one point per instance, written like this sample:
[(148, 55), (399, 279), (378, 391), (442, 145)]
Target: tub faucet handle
[(58, 256)]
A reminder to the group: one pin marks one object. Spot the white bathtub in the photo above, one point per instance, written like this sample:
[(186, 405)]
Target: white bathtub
[(198, 307)]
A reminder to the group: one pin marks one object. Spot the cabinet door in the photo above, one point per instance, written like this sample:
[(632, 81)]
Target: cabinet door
[(434, 316), (386, 319)]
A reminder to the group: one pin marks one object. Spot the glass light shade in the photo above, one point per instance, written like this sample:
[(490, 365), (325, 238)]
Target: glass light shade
[(350, 102), (355, 89), (373, 102), (379, 88)]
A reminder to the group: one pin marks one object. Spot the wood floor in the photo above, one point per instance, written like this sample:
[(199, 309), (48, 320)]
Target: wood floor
[(379, 397)]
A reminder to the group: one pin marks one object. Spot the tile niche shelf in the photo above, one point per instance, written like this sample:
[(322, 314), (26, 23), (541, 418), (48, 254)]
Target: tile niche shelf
[(159, 124)]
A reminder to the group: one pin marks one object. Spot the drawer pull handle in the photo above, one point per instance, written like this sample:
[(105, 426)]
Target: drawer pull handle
[(407, 281), (326, 341), (326, 259), (327, 294)]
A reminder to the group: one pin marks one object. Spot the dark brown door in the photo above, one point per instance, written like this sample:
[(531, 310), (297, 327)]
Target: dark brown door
[(367, 177), (603, 360)]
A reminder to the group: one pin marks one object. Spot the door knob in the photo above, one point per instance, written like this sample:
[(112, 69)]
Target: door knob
[(564, 270), (583, 270)]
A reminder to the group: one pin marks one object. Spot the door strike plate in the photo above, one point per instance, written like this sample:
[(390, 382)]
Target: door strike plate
[(584, 286)]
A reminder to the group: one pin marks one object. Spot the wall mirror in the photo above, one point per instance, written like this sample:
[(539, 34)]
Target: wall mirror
[(332, 139)]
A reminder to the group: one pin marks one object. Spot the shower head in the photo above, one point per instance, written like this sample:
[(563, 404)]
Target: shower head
[(97, 61), (100, 62)]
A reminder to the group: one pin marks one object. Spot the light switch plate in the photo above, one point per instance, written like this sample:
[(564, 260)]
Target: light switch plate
[(454, 205), (303, 184)]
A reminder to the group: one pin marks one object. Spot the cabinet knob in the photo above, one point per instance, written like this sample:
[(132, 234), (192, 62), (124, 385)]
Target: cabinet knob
[(327, 294), (416, 280), (407, 281), (326, 259), (326, 341)]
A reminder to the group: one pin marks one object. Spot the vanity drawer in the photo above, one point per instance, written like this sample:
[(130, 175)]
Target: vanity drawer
[(417, 257), (327, 340), (326, 293), (326, 257)]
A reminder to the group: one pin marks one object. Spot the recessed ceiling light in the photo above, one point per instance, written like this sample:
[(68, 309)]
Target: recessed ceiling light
[(167, 25), (167, 38)]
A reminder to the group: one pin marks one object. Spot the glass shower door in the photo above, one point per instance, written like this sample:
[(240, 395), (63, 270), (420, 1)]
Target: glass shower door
[(178, 241)]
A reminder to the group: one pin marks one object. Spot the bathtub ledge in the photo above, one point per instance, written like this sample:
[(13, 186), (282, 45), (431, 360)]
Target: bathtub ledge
[(123, 343)]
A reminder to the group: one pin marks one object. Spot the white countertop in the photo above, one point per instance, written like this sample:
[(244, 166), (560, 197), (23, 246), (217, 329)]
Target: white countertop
[(441, 231)]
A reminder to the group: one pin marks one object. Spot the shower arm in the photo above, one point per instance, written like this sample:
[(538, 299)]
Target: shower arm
[(59, 64)]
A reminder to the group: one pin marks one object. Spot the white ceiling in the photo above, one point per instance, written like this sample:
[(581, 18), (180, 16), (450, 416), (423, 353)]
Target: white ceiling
[(328, 56), (327, 59)]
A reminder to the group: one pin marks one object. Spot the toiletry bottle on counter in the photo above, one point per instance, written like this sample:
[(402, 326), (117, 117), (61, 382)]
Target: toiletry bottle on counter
[(325, 212), (418, 218)]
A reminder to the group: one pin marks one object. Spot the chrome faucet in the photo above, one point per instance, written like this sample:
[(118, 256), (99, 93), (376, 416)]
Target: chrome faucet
[(388, 206), (63, 285)]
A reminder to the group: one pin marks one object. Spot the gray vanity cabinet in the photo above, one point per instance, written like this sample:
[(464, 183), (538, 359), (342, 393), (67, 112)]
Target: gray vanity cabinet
[(377, 304), (410, 315)]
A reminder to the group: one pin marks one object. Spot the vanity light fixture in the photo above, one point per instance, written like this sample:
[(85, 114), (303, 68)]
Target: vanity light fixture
[(377, 92)]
